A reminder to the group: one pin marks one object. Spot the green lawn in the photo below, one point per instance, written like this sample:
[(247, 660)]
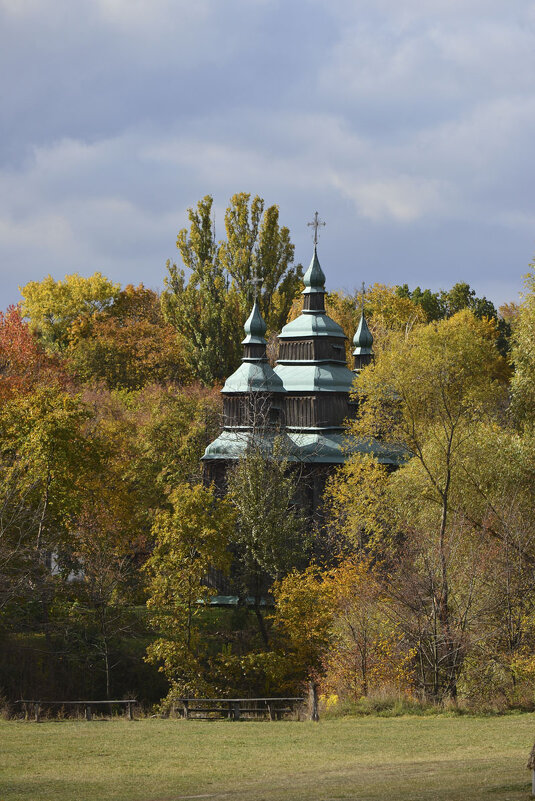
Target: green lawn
[(406, 758)]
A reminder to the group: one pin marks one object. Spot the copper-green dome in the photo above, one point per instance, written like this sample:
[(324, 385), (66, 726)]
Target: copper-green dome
[(253, 376), (363, 339), (254, 328), (319, 377), (314, 278), (312, 325)]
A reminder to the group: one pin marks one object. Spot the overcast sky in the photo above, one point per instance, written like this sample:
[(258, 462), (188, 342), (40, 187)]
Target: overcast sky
[(411, 132)]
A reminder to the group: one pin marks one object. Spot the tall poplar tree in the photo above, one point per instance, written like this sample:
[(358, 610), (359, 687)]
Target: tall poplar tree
[(209, 306)]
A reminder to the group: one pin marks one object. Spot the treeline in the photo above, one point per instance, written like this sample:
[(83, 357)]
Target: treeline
[(107, 535)]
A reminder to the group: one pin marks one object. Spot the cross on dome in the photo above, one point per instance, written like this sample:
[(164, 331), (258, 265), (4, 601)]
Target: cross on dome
[(256, 281), (315, 224)]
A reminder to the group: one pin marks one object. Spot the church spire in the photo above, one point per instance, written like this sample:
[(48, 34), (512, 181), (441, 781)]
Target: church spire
[(255, 327), (254, 344), (314, 278), (314, 291), (363, 342)]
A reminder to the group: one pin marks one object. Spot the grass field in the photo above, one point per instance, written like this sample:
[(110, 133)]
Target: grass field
[(405, 758)]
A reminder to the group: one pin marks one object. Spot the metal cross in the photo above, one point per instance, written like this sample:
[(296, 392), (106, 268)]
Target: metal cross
[(363, 290), (315, 224), (256, 281)]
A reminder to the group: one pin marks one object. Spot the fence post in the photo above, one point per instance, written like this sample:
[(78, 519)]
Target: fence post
[(36, 709), (313, 701), (88, 715)]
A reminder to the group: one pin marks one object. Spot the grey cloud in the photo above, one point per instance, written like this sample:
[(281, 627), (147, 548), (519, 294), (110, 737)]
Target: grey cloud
[(408, 127)]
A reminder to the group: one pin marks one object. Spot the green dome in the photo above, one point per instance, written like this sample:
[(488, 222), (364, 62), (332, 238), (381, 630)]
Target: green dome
[(254, 376), (363, 339), (314, 278), (254, 328), (311, 378), (312, 325)]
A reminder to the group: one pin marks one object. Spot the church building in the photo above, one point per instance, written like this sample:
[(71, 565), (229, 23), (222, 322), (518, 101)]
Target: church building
[(305, 399)]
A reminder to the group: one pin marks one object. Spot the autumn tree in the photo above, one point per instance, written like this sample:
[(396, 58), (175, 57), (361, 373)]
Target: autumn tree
[(523, 356), (189, 541), (303, 618), (44, 458), (340, 630), (127, 345), (445, 303), (52, 306), (386, 313), (24, 364), (209, 307), (428, 394), (368, 648), (270, 533)]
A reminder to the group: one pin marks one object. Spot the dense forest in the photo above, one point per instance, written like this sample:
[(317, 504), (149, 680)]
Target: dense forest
[(425, 586)]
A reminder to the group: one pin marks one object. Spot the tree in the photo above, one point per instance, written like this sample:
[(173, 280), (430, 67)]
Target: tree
[(304, 612), (445, 303), (189, 541), (128, 345), (339, 630), (269, 537), (368, 648), (209, 309), (257, 247), (429, 394), (45, 459), (523, 356), (52, 306), (24, 364), (205, 311)]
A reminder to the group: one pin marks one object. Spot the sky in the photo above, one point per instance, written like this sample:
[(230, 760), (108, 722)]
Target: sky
[(409, 127)]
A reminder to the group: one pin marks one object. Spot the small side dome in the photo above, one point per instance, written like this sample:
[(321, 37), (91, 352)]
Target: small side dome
[(314, 278), (363, 340), (254, 328)]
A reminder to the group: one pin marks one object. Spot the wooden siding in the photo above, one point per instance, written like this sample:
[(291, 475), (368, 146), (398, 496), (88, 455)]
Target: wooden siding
[(316, 411), (311, 350), (250, 410)]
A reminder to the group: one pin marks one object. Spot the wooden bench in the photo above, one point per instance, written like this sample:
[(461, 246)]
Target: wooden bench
[(238, 708), (33, 708)]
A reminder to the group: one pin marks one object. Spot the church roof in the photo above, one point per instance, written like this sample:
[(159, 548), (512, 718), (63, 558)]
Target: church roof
[(233, 444), (253, 376), (318, 447), (319, 377), (312, 324)]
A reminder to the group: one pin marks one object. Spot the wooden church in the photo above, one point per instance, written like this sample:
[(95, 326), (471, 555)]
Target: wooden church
[(305, 399)]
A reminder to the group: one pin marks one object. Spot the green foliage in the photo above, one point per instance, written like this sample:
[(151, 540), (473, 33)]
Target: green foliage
[(523, 356), (190, 540), (128, 345), (209, 309), (270, 533), (434, 393), (257, 247), (52, 306), (445, 303)]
